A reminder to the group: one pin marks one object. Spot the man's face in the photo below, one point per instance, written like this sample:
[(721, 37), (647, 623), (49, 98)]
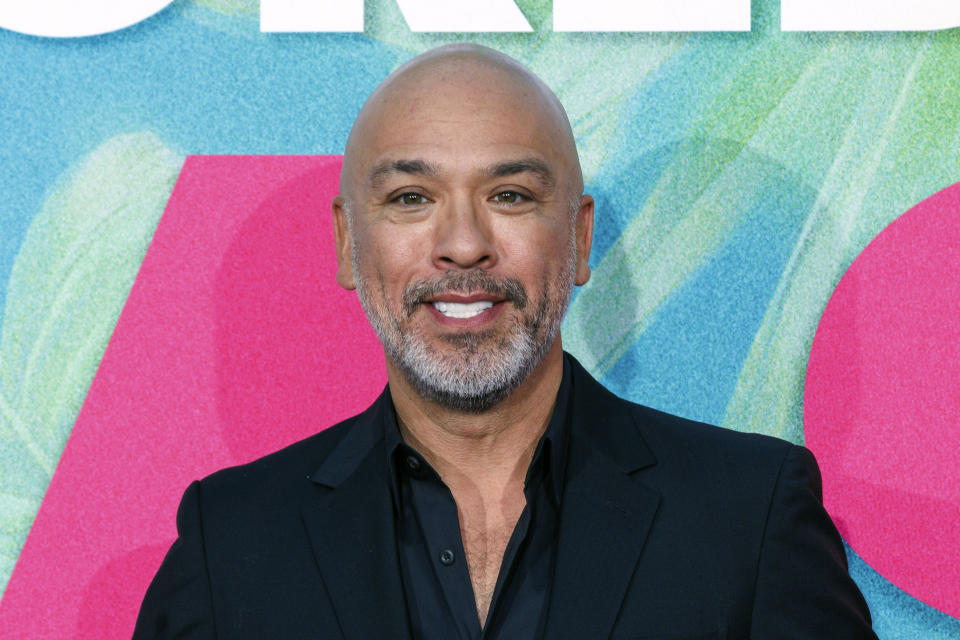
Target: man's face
[(467, 232)]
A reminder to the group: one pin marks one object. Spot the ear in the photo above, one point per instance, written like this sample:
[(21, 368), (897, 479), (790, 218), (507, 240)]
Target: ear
[(341, 233), (584, 233)]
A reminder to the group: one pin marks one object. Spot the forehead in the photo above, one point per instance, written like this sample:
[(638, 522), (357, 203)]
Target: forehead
[(456, 118)]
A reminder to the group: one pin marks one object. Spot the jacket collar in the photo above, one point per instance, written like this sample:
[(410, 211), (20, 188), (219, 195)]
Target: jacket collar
[(605, 517), (600, 420), (350, 523)]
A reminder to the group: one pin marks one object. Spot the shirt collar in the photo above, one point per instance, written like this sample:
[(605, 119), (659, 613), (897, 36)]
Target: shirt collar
[(553, 445)]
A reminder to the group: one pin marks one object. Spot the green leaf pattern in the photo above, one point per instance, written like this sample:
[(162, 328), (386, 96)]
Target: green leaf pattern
[(67, 286)]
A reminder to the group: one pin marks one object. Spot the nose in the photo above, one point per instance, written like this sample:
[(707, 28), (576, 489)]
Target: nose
[(463, 237)]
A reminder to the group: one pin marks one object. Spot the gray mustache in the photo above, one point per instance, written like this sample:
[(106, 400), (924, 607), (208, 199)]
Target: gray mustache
[(472, 281)]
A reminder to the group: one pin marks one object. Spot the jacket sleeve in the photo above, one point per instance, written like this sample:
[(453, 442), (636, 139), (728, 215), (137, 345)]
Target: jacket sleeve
[(178, 602), (803, 589)]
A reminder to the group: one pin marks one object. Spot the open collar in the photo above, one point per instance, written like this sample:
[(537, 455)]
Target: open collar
[(605, 516)]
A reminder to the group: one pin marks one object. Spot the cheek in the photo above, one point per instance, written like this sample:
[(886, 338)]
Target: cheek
[(535, 254), (387, 268)]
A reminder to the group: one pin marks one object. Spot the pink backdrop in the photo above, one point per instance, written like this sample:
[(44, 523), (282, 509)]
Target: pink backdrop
[(882, 401), (235, 340), (200, 373)]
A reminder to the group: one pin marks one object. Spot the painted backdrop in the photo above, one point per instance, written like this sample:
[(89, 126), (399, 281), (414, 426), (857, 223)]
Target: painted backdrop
[(777, 249)]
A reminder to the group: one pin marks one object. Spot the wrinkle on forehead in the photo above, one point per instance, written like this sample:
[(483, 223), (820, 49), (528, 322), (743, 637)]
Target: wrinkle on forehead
[(458, 68)]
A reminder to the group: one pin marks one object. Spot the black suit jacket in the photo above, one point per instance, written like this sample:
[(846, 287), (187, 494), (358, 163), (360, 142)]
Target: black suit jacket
[(669, 529)]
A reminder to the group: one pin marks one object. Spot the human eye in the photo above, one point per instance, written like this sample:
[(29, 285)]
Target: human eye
[(509, 197), (409, 199)]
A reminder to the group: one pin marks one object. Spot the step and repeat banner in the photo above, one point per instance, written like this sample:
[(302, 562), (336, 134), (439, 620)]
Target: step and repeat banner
[(777, 250)]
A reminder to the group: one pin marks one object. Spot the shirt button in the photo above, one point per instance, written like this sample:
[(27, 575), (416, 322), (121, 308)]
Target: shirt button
[(413, 464), (446, 557)]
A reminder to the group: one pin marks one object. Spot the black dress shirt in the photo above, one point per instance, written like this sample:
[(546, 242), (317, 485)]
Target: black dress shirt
[(436, 579)]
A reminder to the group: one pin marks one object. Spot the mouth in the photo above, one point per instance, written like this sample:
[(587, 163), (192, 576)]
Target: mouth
[(464, 299), (462, 310)]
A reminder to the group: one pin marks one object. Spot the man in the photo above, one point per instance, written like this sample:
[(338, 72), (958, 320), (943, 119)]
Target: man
[(495, 490)]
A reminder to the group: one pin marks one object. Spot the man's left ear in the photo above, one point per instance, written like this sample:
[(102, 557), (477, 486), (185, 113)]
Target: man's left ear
[(584, 233)]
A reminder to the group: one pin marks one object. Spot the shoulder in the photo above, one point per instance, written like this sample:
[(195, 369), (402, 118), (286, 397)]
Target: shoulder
[(741, 512), (732, 468), (674, 437), (671, 440), (284, 475), (725, 460), (686, 460)]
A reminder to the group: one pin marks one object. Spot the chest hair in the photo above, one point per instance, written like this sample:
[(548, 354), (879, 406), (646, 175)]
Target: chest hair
[(484, 544)]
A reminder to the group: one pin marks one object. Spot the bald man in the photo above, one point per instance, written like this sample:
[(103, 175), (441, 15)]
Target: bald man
[(495, 490)]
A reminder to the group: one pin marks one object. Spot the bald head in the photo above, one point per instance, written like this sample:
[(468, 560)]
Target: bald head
[(465, 83), (462, 224)]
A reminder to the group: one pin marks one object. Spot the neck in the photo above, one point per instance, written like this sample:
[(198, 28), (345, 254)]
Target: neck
[(486, 451)]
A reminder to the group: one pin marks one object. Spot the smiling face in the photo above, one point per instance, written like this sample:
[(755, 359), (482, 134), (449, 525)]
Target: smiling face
[(466, 228)]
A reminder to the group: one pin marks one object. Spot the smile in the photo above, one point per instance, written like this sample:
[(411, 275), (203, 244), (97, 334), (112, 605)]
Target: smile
[(461, 310)]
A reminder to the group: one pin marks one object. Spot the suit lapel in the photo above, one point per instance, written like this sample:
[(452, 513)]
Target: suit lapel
[(605, 515), (351, 527)]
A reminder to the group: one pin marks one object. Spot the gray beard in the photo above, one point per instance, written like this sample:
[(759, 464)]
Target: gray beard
[(476, 376)]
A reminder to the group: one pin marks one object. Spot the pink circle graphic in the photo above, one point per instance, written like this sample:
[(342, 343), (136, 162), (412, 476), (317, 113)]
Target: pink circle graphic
[(882, 402)]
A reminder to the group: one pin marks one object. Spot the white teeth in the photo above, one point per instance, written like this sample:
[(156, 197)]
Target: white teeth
[(458, 310)]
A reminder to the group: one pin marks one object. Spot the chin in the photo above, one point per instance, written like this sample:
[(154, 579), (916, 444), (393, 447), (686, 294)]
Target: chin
[(475, 376)]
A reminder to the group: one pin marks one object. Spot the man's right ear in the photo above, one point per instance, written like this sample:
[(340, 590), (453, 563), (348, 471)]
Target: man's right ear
[(341, 233)]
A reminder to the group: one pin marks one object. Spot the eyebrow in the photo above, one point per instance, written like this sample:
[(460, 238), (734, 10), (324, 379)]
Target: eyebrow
[(418, 167), (525, 165), (411, 167)]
